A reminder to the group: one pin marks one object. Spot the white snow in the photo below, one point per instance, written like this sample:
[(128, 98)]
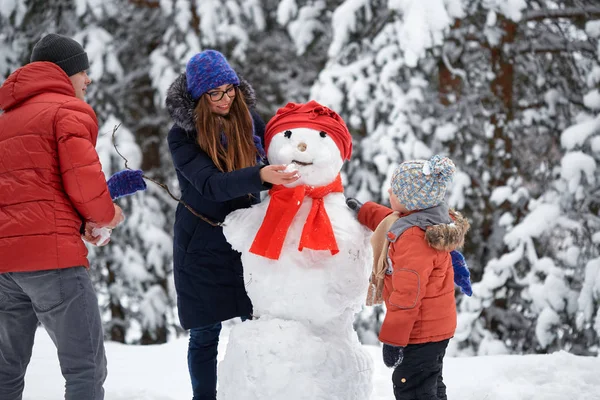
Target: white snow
[(574, 166), (545, 328), (423, 25), (510, 8), (304, 29), (286, 10), (98, 44), (534, 224), (159, 372), (552, 98), (592, 28), (460, 184), (590, 293), (595, 144), (500, 194), (446, 132), (343, 22), (577, 134), (284, 359), (592, 100)]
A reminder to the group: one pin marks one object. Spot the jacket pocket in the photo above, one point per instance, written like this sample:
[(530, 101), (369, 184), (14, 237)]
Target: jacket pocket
[(406, 289)]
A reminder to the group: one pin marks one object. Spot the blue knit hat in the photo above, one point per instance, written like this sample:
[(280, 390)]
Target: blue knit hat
[(421, 184), (208, 70)]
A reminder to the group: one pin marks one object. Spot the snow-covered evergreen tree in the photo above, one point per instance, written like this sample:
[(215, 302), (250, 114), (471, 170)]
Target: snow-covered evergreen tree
[(527, 298)]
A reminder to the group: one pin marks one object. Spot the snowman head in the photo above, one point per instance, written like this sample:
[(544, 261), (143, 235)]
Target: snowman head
[(312, 139)]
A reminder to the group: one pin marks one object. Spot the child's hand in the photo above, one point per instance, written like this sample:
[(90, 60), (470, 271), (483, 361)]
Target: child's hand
[(392, 355), (353, 204)]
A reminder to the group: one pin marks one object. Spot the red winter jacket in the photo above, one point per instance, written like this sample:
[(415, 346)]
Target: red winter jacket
[(419, 294), (50, 177)]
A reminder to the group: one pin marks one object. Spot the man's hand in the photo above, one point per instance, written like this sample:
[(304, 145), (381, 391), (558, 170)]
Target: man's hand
[(392, 355), (117, 219), (93, 237)]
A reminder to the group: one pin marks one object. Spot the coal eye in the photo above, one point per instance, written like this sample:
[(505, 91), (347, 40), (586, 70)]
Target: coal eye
[(287, 134), (323, 134)]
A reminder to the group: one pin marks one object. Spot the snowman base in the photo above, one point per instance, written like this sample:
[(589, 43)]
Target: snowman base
[(278, 359)]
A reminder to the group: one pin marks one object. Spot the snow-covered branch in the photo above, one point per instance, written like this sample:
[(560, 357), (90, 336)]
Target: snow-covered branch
[(571, 46), (588, 12)]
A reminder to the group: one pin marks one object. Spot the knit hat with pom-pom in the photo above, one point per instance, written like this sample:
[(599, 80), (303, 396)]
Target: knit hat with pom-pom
[(421, 184)]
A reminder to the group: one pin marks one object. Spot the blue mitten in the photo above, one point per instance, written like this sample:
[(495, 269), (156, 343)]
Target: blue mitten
[(392, 355), (462, 277), (126, 182)]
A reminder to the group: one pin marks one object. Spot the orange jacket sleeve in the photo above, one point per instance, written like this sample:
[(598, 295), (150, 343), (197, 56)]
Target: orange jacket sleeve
[(371, 214), (84, 182), (413, 260)]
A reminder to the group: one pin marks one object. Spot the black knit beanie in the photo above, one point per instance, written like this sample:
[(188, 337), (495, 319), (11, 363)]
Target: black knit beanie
[(62, 51)]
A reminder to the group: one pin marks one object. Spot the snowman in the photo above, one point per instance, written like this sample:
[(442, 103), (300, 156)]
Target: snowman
[(307, 262)]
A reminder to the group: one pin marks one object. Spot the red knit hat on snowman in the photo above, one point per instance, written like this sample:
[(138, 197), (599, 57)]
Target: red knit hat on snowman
[(317, 233), (314, 116)]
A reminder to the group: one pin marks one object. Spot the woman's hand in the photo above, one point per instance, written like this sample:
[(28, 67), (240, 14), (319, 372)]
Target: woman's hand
[(276, 175)]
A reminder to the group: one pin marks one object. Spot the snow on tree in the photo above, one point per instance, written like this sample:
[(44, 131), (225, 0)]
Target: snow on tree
[(528, 295)]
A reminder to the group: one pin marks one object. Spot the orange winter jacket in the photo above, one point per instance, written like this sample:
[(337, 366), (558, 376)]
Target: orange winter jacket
[(51, 179), (419, 287)]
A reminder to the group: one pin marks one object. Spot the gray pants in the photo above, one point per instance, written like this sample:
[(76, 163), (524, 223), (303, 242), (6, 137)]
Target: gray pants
[(64, 301)]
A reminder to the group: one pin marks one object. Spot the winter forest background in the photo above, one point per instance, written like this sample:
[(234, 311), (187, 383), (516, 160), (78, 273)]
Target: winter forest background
[(509, 89)]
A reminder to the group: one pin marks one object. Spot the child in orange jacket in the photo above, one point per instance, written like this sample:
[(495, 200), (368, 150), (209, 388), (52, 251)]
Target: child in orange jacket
[(418, 287)]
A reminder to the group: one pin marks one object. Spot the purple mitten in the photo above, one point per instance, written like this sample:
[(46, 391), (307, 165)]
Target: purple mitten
[(462, 277), (125, 182)]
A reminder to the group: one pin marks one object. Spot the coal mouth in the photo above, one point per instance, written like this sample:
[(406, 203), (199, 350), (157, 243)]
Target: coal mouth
[(304, 164)]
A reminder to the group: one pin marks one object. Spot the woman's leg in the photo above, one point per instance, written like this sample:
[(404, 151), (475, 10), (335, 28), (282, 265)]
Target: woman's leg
[(202, 361)]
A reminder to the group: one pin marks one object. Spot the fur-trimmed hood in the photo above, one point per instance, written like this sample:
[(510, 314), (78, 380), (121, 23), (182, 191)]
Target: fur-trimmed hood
[(448, 237), (445, 229), (181, 105)]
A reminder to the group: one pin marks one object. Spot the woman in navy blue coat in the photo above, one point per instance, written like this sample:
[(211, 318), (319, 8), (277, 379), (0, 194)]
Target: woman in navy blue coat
[(216, 149)]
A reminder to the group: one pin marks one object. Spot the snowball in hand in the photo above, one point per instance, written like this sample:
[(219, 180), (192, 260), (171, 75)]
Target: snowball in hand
[(291, 167), (103, 233)]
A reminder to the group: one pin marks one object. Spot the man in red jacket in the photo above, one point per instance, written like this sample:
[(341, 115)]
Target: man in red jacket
[(51, 189)]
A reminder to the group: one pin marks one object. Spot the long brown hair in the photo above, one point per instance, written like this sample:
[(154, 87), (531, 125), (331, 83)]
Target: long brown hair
[(240, 151)]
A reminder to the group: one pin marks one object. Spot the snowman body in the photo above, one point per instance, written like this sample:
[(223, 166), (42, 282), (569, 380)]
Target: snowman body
[(302, 345)]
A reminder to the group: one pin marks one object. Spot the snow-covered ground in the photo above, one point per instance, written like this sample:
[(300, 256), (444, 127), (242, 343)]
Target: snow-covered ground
[(160, 373)]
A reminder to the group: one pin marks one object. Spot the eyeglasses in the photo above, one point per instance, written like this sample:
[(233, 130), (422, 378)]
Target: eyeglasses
[(217, 95)]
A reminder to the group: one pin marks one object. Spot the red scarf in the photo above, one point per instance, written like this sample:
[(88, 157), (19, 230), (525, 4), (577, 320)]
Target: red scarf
[(317, 233)]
